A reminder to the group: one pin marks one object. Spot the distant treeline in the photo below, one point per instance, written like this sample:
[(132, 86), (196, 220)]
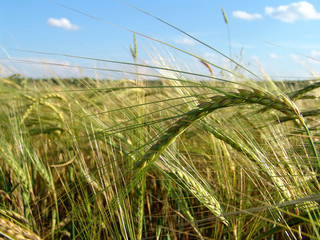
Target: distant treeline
[(91, 82), (77, 82)]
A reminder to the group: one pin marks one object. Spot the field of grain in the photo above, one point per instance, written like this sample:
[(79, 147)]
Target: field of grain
[(159, 152), (166, 159)]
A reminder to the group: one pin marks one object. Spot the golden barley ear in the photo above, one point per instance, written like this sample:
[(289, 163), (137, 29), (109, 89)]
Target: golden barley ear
[(207, 65), (13, 231)]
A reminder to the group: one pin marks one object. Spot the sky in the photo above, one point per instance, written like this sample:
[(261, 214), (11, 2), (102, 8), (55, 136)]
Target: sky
[(280, 38)]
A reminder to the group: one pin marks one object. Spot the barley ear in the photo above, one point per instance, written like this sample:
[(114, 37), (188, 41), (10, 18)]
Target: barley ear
[(134, 49), (224, 16), (13, 231), (301, 92), (197, 189)]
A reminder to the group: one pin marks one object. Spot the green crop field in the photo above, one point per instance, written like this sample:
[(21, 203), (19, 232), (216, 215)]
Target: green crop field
[(165, 159), (160, 154)]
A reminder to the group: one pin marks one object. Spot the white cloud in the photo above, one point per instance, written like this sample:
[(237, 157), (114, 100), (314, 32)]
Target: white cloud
[(273, 55), (185, 41), (255, 58), (315, 53), (293, 12), (62, 23), (297, 59), (314, 57), (294, 57), (246, 16)]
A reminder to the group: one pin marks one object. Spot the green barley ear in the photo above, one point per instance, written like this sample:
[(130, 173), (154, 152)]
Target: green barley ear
[(301, 92), (43, 101), (197, 189), (134, 49), (227, 23), (224, 16)]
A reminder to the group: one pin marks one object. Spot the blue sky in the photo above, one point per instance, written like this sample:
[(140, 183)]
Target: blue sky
[(274, 36)]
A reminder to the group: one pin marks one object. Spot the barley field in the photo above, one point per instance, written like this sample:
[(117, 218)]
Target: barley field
[(160, 153), (165, 159)]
